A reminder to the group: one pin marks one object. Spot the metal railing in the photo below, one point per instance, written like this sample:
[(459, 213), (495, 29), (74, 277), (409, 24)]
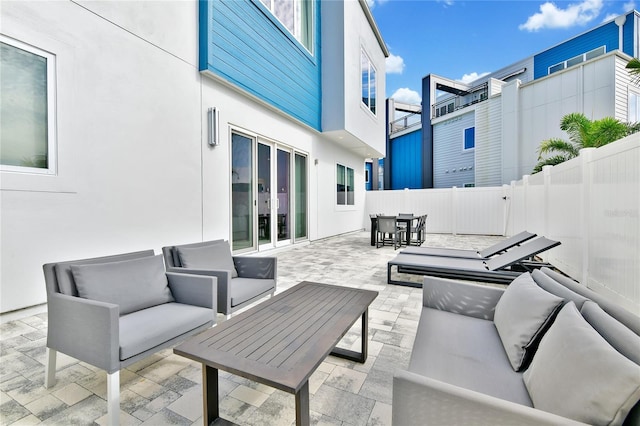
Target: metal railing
[(473, 96)]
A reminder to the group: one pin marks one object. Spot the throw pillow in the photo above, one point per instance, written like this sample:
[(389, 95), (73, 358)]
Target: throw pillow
[(214, 257), (576, 374), (132, 284), (522, 315)]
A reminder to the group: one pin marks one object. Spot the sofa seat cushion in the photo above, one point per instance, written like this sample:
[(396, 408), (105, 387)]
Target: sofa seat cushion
[(148, 328), (244, 289), (466, 352)]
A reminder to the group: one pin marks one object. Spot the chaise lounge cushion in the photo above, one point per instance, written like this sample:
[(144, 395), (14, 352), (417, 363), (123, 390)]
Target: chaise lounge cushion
[(466, 352), (575, 373), (132, 284), (211, 257), (148, 328), (522, 315)]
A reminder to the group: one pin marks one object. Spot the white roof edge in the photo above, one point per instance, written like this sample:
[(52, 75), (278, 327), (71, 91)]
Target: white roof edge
[(374, 27)]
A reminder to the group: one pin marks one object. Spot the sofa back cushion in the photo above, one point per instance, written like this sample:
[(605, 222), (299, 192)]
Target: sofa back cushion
[(554, 287), (132, 284), (576, 374), (617, 335), (64, 276), (210, 257), (522, 315)]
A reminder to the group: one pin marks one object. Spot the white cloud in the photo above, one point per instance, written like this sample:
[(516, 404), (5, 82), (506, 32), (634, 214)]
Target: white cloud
[(626, 7), (468, 78), (394, 64), (407, 96), (550, 16), (373, 3)]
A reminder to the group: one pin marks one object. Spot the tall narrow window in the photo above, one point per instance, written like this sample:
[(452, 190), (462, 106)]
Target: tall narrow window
[(368, 82), (296, 16), (300, 173), (634, 107), (27, 131), (345, 188), (469, 138)]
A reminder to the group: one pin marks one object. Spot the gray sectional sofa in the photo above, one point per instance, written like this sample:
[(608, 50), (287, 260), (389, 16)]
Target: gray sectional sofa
[(545, 350)]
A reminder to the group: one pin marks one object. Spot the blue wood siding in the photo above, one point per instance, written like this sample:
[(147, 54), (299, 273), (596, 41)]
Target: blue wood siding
[(369, 168), (628, 41), (406, 161), (242, 42), (606, 35)]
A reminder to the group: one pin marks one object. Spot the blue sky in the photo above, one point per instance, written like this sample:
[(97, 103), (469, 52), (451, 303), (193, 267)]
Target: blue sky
[(462, 40)]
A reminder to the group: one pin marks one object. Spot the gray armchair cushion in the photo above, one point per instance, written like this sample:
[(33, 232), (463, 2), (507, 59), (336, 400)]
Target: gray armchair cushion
[(521, 317), (148, 328), (575, 373), (243, 289), (131, 284), (211, 257)]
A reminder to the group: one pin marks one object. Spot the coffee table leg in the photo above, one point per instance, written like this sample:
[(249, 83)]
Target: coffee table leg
[(211, 411), (302, 405)]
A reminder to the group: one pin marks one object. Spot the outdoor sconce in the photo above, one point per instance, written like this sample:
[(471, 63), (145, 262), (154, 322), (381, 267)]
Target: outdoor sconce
[(213, 125)]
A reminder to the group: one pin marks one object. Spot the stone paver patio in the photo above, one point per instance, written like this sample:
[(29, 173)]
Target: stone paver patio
[(165, 389)]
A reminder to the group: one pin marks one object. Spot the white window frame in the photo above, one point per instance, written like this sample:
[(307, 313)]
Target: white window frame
[(363, 54), (297, 21), (52, 159), (631, 95), (594, 53), (346, 192)]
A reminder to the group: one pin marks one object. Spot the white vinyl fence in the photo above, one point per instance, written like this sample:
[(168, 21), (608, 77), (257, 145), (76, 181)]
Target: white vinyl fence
[(590, 204)]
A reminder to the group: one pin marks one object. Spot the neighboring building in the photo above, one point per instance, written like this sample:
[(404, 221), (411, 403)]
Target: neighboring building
[(488, 132), (135, 125)]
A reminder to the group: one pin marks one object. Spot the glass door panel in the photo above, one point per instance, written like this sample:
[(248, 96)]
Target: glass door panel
[(300, 196), (264, 195), (283, 201), (242, 192)]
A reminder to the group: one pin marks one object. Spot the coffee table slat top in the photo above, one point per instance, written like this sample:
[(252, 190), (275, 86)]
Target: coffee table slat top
[(281, 341)]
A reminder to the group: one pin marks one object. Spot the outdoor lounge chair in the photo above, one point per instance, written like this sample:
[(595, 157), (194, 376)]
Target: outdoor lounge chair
[(484, 254), (501, 269), (242, 280), (113, 311)]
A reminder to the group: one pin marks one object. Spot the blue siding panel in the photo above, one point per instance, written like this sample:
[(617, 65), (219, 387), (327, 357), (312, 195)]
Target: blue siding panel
[(242, 42), (406, 159), (606, 35), (369, 168), (628, 42)]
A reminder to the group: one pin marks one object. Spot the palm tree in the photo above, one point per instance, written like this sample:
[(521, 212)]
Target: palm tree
[(583, 133), (634, 69)]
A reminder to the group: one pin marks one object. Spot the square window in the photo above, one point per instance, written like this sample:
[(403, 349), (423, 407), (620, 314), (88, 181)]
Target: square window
[(27, 128)]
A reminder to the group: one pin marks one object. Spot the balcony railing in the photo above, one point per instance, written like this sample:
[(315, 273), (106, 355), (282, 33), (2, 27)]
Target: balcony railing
[(406, 122), (472, 96)]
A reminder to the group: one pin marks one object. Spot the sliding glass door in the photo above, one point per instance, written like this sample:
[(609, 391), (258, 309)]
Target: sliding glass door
[(269, 194)]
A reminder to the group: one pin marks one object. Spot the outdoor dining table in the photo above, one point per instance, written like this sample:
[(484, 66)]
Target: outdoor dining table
[(401, 218)]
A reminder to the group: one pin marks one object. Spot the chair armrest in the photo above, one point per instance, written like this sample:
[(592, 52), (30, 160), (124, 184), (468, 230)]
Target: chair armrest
[(223, 285), (472, 300), (420, 400), (256, 267), (197, 290), (85, 329)]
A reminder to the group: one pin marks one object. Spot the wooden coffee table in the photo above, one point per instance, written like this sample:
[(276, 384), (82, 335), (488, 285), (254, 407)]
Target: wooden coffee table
[(281, 341)]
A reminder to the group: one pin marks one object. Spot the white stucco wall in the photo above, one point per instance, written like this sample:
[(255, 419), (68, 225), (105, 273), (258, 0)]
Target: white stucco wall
[(134, 167)]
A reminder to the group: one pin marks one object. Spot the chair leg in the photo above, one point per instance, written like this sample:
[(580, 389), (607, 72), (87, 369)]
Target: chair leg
[(50, 368), (113, 399)]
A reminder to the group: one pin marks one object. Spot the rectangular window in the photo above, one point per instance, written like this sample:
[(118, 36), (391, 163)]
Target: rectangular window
[(556, 68), (368, 82), (634, 107), (469, 138), (345, 187), (296, 16), (27, 108)]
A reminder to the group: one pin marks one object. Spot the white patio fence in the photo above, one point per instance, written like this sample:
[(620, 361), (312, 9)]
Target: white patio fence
[(590, 204)]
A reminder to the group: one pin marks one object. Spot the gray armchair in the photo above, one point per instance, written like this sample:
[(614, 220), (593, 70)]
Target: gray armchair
[(242, 280), (113, 311)]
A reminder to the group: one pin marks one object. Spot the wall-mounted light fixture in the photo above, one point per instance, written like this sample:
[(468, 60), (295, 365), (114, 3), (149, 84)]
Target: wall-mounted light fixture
[(213, 124)]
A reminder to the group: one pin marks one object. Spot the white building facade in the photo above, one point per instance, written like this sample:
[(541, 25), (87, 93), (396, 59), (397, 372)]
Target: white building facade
[(121, 152)]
